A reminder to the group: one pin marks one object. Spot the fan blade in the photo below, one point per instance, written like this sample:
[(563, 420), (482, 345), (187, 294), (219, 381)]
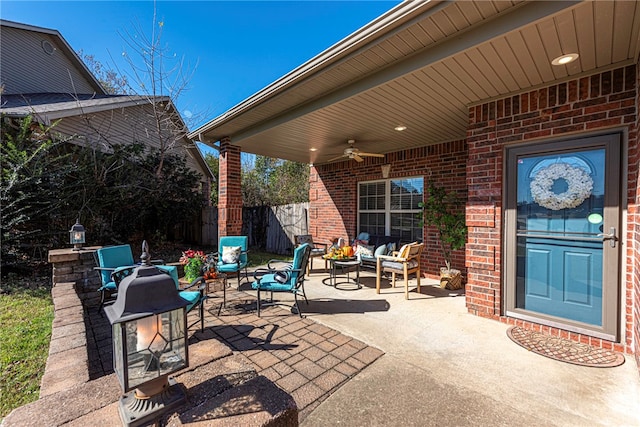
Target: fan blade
[(336, 158), (371, 154), (357, 158)]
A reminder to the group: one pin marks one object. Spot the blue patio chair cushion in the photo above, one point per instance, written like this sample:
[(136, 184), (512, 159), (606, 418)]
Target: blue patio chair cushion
[(113, 257), (242, 242), (192, 296), (269, 283), (172, 270)]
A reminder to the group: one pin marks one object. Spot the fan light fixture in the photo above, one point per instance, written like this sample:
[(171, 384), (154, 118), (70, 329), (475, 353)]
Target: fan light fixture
[(565, 59), (400, 128), (353, 153)]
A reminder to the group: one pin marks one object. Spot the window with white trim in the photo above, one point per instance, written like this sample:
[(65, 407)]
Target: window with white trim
[(390, 207)]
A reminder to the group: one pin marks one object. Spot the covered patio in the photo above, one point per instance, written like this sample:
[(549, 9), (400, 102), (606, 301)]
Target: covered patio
[(477, 97)]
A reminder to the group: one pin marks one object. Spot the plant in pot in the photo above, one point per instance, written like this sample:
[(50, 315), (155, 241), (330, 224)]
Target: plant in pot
[(445, 211)]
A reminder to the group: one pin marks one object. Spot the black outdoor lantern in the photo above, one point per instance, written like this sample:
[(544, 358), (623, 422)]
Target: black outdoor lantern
[(149, 326), (76, 235)]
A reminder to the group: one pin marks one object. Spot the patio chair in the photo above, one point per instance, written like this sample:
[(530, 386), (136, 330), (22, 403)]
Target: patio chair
[(232, 255), (111, 259), (290, 278), (405, 262), (194, 292), (317, 249)]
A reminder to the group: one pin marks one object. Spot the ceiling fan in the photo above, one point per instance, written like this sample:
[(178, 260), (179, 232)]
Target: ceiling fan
[(352, 152)]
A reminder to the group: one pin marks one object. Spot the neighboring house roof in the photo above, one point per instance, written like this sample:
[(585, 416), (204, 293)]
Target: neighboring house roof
[(51, 106), (422, 65)]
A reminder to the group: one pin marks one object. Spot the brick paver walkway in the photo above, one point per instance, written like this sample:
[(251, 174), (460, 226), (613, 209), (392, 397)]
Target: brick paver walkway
[(307, 360)]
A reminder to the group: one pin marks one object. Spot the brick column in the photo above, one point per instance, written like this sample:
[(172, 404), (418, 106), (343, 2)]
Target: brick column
[(229, 189)]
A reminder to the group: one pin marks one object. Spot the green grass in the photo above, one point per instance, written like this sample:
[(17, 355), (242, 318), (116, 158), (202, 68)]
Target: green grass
[(258, 258), (26, 314)]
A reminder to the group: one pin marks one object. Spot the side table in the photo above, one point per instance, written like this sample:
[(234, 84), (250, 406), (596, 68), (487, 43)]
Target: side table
[(348, 265)]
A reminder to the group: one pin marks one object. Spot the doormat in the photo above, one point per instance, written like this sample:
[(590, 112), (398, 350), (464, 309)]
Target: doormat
[(564, 350)]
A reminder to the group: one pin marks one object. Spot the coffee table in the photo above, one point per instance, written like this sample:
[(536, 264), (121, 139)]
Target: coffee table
[(345, 265)]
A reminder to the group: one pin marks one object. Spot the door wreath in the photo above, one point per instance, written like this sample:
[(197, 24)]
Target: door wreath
[(579, 186)]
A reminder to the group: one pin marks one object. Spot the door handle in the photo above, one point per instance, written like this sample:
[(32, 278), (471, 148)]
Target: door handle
[(610, 236)]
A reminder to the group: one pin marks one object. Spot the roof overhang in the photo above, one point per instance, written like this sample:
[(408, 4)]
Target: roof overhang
[(49, 112), (422, 65)]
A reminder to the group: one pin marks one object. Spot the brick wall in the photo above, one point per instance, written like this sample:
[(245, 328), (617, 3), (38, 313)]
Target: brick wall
[(333, 192), (633, 219), (229, 190), (586, 104)]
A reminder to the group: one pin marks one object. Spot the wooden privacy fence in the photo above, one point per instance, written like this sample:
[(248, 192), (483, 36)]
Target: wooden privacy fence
[(272, 228)]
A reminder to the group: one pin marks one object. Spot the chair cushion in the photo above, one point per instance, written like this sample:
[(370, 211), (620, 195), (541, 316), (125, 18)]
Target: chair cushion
[(380, 250), (230, 268), (399, 265), (405, 250), (268, 283), (231, 254), (172, 271), (192, 296)]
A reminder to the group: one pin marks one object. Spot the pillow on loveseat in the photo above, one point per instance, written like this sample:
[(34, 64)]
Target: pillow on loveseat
[(380, 250), (364, 251)]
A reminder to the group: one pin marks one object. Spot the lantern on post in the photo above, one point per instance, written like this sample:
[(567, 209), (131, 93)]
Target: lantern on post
[(149, 327), (76, 235)]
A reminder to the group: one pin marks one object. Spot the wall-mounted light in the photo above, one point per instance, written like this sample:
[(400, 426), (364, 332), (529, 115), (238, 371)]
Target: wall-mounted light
[(385, 170), (565, 59)]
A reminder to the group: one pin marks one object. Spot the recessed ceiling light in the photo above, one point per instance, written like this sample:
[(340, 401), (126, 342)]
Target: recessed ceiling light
[(313, 149), (565, 59), (400, 128)]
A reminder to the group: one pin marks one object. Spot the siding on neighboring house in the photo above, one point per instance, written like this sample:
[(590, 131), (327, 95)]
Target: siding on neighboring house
[(123, 126), (23, 62)]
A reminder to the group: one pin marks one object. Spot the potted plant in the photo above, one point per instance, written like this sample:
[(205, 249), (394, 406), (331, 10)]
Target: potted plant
[(445, 211), (193, 262)]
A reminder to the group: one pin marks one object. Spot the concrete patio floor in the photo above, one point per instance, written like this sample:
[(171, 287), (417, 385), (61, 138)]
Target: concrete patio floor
[(443, 366)]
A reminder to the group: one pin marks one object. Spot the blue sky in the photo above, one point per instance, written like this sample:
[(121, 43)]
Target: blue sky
[(239, 46)]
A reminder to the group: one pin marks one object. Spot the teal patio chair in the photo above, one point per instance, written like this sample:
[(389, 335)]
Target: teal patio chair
[(194, 292), (232, 255), (112, 259), (288, 279)]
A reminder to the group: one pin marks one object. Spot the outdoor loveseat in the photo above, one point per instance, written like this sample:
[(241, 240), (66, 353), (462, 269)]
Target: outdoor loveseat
[(372, 245)]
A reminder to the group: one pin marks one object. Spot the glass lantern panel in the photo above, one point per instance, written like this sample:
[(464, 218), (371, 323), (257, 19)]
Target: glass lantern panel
[(156, 346), (76, 237), (118, 359)]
